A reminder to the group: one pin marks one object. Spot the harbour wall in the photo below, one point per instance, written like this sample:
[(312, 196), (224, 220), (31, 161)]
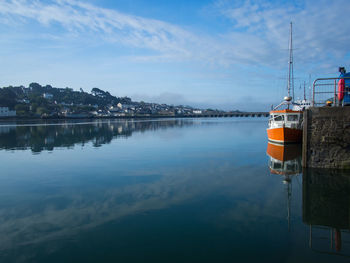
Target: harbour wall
[(326, 137)]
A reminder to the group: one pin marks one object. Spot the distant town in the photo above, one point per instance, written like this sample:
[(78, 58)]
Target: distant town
[(36, 101)]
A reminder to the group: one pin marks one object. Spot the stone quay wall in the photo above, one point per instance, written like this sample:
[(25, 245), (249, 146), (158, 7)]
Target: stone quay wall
[(326, 137)]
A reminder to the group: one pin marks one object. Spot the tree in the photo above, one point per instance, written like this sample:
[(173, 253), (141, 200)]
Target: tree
[(97, 92), (7, 97), (42, 110), (22, 107), (36, 87)]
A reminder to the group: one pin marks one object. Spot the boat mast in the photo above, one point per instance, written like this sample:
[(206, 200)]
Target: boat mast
[(290, 84)]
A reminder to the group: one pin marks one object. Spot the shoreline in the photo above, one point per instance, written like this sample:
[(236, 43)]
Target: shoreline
[(218, 115)]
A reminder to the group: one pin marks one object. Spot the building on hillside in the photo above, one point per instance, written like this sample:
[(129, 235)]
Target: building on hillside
[(128, 107), (5, 112), (114, 110), (47, 96), (26, 101)]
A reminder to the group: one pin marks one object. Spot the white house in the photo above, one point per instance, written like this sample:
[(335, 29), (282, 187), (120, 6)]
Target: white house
[(197, 111), (128, 107), (5, 112), (47, 96)]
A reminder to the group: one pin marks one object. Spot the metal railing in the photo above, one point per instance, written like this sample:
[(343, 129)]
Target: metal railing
[(325, 89)]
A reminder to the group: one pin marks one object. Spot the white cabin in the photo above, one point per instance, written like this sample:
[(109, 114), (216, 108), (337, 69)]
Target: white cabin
[(285, 118)]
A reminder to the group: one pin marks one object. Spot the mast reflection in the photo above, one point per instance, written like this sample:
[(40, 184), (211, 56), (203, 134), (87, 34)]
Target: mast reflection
[(285, 160)]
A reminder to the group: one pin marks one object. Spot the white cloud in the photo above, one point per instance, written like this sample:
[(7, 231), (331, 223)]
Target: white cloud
[(259, 32), (320, 33), (79, 17)]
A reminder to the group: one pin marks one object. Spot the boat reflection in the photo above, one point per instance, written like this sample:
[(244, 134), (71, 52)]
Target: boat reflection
[(285, 160), (326, 209)]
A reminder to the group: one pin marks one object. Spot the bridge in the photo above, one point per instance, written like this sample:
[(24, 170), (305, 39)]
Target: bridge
[(188, 115), (227, 114)]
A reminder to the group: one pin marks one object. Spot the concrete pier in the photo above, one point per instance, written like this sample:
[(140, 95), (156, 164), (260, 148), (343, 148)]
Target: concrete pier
[(326, 137)]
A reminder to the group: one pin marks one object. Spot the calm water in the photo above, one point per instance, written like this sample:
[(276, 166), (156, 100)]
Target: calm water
[(201, 190)]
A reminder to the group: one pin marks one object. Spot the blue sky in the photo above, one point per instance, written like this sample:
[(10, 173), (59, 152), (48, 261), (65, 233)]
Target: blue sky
[(222, 54)]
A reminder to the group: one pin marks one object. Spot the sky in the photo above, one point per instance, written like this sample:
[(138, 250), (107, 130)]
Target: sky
[(205, 53)]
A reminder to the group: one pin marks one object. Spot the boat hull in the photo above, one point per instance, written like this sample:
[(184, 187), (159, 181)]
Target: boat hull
[(284, 135)]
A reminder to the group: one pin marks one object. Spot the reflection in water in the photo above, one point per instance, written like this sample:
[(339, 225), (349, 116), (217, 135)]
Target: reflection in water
[(66, 134), (285, 160), (168, 195), (49, 202), (326, 209), (325, 195)]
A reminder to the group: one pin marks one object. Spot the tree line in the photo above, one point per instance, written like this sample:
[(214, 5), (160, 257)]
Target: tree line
[(30, 100)]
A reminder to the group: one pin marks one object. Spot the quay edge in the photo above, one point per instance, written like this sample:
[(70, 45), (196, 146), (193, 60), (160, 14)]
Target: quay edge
[(326, 138)]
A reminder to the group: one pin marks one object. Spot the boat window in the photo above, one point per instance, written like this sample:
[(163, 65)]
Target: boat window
[(293, 117), (277, 165), (291, 167), (279, 118)]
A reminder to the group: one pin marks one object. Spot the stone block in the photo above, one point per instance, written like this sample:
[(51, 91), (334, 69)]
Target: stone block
[(328, 137)]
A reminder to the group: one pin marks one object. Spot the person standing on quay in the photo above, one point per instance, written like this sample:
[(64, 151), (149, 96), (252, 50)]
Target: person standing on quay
[(344, 88)]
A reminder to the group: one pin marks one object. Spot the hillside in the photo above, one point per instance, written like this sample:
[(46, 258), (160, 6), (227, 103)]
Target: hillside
[(37, 99)]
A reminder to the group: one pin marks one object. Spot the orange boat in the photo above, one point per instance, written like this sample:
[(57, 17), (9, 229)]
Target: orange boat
[(285, 125)]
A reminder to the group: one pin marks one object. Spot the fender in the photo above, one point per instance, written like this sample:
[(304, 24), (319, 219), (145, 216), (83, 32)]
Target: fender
[(341, 89)]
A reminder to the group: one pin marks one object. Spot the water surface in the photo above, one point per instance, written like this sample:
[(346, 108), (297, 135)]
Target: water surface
[(178, 190)]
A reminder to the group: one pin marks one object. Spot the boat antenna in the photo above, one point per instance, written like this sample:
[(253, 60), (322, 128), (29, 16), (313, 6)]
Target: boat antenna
[(290, 84), (310, 86), (304, 92)]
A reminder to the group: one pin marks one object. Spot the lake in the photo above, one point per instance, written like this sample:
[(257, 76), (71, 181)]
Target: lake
[(165, 190)]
